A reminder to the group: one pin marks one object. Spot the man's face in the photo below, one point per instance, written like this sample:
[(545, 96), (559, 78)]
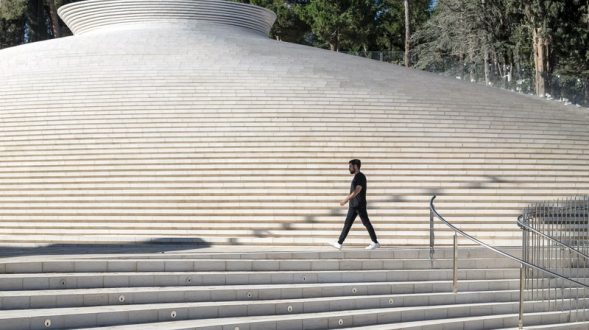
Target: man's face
[(352, 168)]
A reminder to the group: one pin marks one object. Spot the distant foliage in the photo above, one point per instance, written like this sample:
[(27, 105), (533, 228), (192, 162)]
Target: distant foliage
[(536, 46)]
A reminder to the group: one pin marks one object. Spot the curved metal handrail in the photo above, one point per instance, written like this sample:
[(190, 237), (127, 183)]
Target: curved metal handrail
[(505, 254), (530, 228)]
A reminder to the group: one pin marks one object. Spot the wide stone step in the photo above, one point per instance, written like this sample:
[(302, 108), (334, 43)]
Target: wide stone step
[(497, 289), (187, 265), (380, 173), (292, 234), (402, 161), (40, 239), (327, 253), (13, 282), (456, 305), (196, 225), (477, 322), (175, 251), (504, 314), (560, 326)]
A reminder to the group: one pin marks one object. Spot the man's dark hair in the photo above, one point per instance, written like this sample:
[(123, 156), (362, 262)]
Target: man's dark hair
[(356, 162)]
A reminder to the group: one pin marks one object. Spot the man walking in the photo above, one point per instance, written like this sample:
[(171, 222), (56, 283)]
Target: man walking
[(357, 200)]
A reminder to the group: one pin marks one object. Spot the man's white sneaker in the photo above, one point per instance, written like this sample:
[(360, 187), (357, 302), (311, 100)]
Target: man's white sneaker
[(372, 246), (335, 245)]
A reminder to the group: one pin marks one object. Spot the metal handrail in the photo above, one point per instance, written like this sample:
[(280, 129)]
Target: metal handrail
[(522, 262), (524, 226)]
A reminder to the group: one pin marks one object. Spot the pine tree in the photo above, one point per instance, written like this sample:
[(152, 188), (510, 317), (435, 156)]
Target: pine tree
[(329, 20), (571, 54), (36, 21), (288, 26), (54, 18), (391, 27), (542, 18), (344, 24), (473, 36), (407, 32)]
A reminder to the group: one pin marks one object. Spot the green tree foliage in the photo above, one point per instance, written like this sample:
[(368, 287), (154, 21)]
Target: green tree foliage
[(37, 21), (24, 21), (329, 20), (288, 26), (468, 32), (11, 9), (508, 39), (344, 24), (12, 22), (390, 22), (570, 54)]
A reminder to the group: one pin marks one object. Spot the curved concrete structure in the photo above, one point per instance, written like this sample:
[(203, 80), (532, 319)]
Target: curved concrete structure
[(92, 15), (180, 120)]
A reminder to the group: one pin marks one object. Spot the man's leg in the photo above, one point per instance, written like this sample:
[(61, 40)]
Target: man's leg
[(366, 222), (348, 224)]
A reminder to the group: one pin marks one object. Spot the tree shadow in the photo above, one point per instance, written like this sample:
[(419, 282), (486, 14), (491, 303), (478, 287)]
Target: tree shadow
[(399, 198), (158, 245)]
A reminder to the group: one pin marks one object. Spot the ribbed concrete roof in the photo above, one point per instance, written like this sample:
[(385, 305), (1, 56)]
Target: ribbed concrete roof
[(205, 128), (91, 15)]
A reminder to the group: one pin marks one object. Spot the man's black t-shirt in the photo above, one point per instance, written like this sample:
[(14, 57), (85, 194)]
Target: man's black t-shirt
[(360, 199)]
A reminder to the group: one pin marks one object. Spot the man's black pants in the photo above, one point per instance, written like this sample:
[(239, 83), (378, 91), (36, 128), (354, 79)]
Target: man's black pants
[(353, 212)]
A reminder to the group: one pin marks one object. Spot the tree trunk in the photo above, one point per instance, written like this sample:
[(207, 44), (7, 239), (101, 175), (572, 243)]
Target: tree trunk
[(334, 43), (586, 92), (407, 34), (36, 21), (462, 65), (539, 61), (54, 19), (472, 73), (547, 63), (486, 67)]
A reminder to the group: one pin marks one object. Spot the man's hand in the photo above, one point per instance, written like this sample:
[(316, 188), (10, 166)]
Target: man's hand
[(352, 195)]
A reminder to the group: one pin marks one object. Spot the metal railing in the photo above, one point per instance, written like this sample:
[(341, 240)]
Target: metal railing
[(569, 89), (526, 267), (555, 238)]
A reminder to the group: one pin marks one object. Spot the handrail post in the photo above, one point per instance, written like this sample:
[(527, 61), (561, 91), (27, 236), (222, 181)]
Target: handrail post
[(455, 265), (522, 279), (431, 235)]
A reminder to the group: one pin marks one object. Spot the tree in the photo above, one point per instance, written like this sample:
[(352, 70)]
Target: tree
[(54, 18), (36, 21), (24, 21), (329, 20), (391, 25), (542, 18), (288, 26), (348, 24), (571, 56), (468, 35), (12, 22)]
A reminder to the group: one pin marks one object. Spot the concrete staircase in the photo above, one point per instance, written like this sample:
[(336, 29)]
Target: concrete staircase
[(395, 288), (190, 131)]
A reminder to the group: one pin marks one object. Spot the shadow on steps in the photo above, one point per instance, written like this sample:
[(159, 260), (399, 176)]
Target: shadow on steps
[(148, 246)]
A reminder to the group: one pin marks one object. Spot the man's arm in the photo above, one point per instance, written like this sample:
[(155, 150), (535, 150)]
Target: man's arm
[(351, 196)]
